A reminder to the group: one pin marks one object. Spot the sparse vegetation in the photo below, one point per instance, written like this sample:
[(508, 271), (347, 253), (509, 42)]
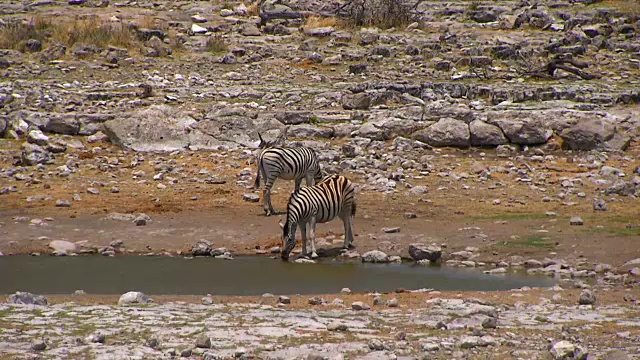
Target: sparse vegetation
[(384, 14), (530, 241), (320, 21), (216, 44)]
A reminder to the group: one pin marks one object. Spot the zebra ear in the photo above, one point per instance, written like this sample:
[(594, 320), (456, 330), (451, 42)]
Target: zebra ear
[(262, 142)]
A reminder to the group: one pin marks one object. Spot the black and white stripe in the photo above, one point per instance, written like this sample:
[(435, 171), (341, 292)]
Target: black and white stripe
[(295, 163), (333, 196)]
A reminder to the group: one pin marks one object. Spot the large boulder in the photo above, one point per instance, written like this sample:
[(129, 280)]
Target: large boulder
[(33, 154), (588, 135), (524, 131), (483, 134), (439, 109), (375, 256), (166, 128), (446, 132)]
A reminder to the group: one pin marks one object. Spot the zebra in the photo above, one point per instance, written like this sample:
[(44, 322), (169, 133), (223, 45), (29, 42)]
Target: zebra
[(333, 196), (288, 163)]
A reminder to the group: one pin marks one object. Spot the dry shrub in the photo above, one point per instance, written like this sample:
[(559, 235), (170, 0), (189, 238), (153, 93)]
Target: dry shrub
[(383, 14), (15, 35), (216, 44), (146, 22)]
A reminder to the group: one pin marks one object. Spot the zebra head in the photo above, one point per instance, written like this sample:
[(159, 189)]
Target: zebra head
[(319, 174), (288, 239)]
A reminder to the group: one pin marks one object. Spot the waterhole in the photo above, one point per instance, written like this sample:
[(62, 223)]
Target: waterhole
[(245, 275)]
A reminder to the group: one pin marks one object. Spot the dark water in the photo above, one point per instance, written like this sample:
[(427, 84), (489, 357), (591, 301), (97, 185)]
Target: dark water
[(249, 275)]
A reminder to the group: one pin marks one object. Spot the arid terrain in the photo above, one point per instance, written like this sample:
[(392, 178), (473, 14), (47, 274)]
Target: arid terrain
[(500, 135)]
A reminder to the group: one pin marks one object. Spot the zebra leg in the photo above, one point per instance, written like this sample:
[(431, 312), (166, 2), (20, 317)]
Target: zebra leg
[(348, 232), (266, 200), (303, 231), (312, 235), (298, 182)]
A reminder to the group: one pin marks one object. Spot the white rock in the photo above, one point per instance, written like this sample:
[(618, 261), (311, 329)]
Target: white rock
[(197, 29), (134, 297)]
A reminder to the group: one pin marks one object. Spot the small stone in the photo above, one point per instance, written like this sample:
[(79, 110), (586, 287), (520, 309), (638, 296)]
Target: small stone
[(376, 345), (345, 291), (97, 338), (393, 303), (38, 345), (490, 323), (140, 220), (563, 350), (587, 297), (207, 300), (316, 301), (93, 191), (391, 230), (576, 220), (63, 203), (284, 299), (203, 342), (599, 205), (251, 197), (153, 343), (337, 326), (186, 353), (27, 298), (410, 215), (359, 305)]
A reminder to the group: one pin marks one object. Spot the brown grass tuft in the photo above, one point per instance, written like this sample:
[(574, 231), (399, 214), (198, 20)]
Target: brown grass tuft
[(15, 35), (216, 44), (254, 9)]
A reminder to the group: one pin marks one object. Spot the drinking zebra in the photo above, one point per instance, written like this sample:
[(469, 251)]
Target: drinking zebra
[(286, 163), (333, 196)]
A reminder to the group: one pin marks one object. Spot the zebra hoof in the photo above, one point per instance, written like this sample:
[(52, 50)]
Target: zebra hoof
[(314, 255)]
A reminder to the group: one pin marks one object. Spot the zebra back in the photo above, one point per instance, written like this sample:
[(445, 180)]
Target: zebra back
[(327, 198), (295, 160)]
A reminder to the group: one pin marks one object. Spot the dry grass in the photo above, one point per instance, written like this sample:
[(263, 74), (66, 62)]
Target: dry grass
[(384, 14), (88, 31), (629, 6), (320, 21), (94, 33), (254, 9), (216, 44)]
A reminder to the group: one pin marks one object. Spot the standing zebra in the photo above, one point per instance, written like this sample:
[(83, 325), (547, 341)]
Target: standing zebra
[(332, 197), (286, 163)]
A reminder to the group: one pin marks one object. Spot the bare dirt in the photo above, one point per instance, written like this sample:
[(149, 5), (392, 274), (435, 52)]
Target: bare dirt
[(186, 212)]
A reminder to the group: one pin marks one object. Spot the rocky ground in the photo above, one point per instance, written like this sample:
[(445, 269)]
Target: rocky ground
[(472, 128)]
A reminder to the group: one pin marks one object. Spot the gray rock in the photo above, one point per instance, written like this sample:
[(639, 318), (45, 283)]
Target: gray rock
[(576, 220), (201, 248), (97, 338), (203, 341), (38, 345), (375, 256), (523, 131), (599, 205), (141, 220), (562, 350), (621, 187), (64, 246), (33, 154), (359, 305), (251, 197), (134, 297), (186, 353), (587, 297), (391, 230), (26, 298), (207, 300), (63, 203), (490, 323), (446, 132), (588, 134), (316, 301), (37, 137), (483, 134), (359, 101), (420, 251), (376, 345), (284, 300), (337, 326)]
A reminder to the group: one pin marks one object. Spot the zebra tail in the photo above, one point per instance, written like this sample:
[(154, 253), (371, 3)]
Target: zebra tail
[(353, 209)]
